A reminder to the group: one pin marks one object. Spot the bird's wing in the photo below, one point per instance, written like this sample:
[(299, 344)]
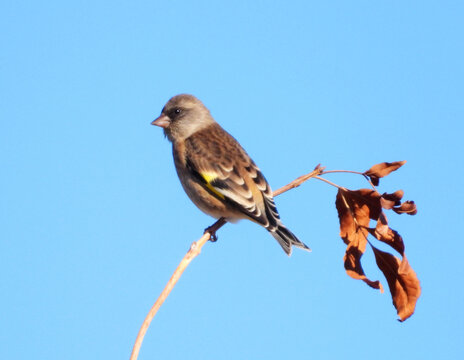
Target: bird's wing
[(220, 164)]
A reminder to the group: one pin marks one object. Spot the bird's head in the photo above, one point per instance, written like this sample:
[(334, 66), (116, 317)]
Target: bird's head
[(182, 116)]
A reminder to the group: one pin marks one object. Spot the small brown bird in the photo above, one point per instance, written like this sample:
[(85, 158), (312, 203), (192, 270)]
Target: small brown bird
[(216, 172)]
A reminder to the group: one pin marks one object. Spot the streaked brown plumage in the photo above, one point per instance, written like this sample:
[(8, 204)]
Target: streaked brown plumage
[(216, 172)]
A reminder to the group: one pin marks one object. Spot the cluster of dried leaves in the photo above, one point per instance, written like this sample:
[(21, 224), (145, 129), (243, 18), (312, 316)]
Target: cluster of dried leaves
[(356, 209)]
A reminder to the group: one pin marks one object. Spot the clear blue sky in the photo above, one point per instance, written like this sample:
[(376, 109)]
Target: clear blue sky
[(93, 218)]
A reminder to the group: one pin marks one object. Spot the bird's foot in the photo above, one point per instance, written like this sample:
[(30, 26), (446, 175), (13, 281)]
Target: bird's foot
[(211, 230), (212, 233)]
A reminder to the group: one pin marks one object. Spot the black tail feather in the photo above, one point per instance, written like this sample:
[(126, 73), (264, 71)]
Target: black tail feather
[(287, 239)]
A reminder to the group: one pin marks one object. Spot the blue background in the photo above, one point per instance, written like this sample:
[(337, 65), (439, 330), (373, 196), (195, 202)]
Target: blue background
[(93, 218)]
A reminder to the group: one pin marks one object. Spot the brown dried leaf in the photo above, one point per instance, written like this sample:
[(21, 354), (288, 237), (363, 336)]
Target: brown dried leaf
[(389, 200), (383, 169), (353, 267), (402, 281), (355, 209), (387, 235), (364, 204), (354, 212), (408, 207), (393, 202)]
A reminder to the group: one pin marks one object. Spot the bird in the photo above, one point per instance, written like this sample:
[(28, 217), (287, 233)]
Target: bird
[(216, 172)]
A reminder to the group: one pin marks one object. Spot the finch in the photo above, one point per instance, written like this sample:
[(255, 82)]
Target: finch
[(216, 172)]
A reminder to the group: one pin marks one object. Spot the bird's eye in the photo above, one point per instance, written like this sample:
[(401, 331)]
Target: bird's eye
[(178, 111)]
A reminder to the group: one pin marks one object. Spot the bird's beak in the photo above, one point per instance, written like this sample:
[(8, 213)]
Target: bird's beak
[(162, 121)]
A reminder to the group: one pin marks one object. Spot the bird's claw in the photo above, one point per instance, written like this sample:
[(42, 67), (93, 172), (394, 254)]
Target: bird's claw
[(211, 230), (212, 234)]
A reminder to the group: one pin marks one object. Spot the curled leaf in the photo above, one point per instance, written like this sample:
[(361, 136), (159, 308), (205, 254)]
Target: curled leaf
[(393, 202), (383, 169), (402, 281), (408, 207), (389, 200)]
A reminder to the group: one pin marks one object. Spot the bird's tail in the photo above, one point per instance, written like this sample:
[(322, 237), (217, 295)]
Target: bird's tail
[(286, 239)]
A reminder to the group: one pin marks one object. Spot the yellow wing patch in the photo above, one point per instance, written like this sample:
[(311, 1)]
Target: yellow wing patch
[(209, 177)]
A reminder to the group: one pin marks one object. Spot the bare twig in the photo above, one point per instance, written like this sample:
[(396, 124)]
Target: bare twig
[(330, 183), (341, 171), (300, 180), (350, 172), (370, 182), (194, 250)]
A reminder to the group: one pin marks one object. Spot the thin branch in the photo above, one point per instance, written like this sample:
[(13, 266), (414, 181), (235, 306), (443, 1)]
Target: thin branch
[(350, 172), (193, 252), (300, 180), (370, 182), (330, 183), (341, 171)]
